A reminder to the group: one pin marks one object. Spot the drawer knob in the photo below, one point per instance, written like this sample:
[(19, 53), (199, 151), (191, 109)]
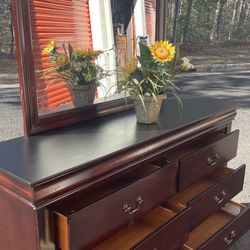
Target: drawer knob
[(129, 209), (229, 240), (212, 161), (220, 198)]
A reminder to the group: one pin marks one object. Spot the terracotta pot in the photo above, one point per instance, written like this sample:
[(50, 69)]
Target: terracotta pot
[(82, 95), (152, 109)]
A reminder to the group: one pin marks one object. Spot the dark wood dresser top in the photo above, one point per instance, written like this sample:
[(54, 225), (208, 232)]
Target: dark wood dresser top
[(36, 159)]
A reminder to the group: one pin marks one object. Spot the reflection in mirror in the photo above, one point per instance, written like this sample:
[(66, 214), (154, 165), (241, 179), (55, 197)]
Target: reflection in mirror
[(113, 26)]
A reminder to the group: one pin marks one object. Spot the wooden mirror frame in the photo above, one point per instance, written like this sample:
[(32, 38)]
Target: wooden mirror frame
[(35, 124)]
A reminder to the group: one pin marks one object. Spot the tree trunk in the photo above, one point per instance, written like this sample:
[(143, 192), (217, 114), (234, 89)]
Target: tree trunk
[(219, 19), (169, 19), (187, 20), (175, 20), (247, 11), (233, 20), (242, 14), (12, 40), (213, 31), (238, 10)]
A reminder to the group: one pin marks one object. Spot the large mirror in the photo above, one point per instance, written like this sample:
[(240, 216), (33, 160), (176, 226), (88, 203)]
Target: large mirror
[(112, 27)]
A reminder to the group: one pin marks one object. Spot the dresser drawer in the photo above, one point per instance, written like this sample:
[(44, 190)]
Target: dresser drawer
[(207, 159), (160, 229), (221, 229), (210, 193), (89, 217)]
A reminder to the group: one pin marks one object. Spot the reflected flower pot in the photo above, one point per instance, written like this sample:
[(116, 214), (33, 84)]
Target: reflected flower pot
[(82, 94)]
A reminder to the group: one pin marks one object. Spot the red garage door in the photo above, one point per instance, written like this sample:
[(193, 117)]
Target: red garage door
[(62, 20), (150, 11)]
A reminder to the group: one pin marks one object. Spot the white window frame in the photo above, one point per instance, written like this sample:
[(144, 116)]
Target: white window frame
[(103, 36)]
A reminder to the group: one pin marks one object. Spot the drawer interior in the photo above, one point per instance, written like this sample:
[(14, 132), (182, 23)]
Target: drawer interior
[(85, 198), (189, 148), (136, 232), (213, 224), (199, 187)]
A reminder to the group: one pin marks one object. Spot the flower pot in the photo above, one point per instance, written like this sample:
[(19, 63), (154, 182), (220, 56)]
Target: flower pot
[(150, 113), (82, 95)]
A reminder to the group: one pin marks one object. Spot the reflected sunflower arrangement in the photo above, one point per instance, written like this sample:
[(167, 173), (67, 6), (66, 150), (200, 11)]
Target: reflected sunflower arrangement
[(73, 66), (151, 73)]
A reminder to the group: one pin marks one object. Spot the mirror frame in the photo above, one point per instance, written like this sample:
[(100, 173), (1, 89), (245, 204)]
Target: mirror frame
[(34, 124)]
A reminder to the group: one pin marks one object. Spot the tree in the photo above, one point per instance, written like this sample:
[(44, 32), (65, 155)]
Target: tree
[(205, 21), (187, 20), (219, 18), (175, 20), (241, 27), (233, 19)]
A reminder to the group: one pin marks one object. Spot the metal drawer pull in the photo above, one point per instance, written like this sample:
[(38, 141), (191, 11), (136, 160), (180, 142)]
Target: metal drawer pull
[(129, 210), (212, 161), (219, 199), (229, 240)]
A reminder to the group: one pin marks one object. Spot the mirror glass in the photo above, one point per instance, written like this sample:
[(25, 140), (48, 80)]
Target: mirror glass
[(111, 26)]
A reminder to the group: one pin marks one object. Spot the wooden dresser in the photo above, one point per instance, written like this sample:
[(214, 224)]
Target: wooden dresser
[(114, 184)]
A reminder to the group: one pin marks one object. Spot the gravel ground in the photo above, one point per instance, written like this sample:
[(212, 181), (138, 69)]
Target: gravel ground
[(220, 55), (10, 110), (236, 87), (233, 86), (242, 122)]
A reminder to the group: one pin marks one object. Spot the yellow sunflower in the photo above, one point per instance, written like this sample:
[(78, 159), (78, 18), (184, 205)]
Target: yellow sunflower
[(53, 43), (88, 52), (62, 59), (131, 66), (48, 49), (163, 51)]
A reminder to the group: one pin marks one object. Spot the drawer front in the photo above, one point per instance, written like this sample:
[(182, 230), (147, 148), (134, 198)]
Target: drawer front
[(230, 233), (215, 197), (206, 160), (170, 236), (99, 220)]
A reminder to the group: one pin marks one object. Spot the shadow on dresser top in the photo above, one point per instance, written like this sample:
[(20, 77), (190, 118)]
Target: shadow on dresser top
[(40, 158)]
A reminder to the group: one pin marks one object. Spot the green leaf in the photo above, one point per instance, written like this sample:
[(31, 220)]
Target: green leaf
[(146, 59), (137, 75), (71, 51), (64, 48), (52, 59), (63, 68), (154, 96), (142, 101), (145, 51), (154, 86)]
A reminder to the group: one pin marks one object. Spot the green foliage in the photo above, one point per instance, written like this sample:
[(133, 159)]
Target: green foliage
[(208, 25), (73, 66), (146, 59), (151, 78)]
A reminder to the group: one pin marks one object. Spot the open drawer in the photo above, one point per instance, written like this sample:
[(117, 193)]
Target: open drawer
[(160, 229), (200, 158), (221, 229), (88, 217), (210, 193)]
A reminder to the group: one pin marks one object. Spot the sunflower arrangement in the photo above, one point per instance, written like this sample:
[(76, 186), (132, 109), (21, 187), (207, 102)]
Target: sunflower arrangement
[(151, 72), (73, 66)]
